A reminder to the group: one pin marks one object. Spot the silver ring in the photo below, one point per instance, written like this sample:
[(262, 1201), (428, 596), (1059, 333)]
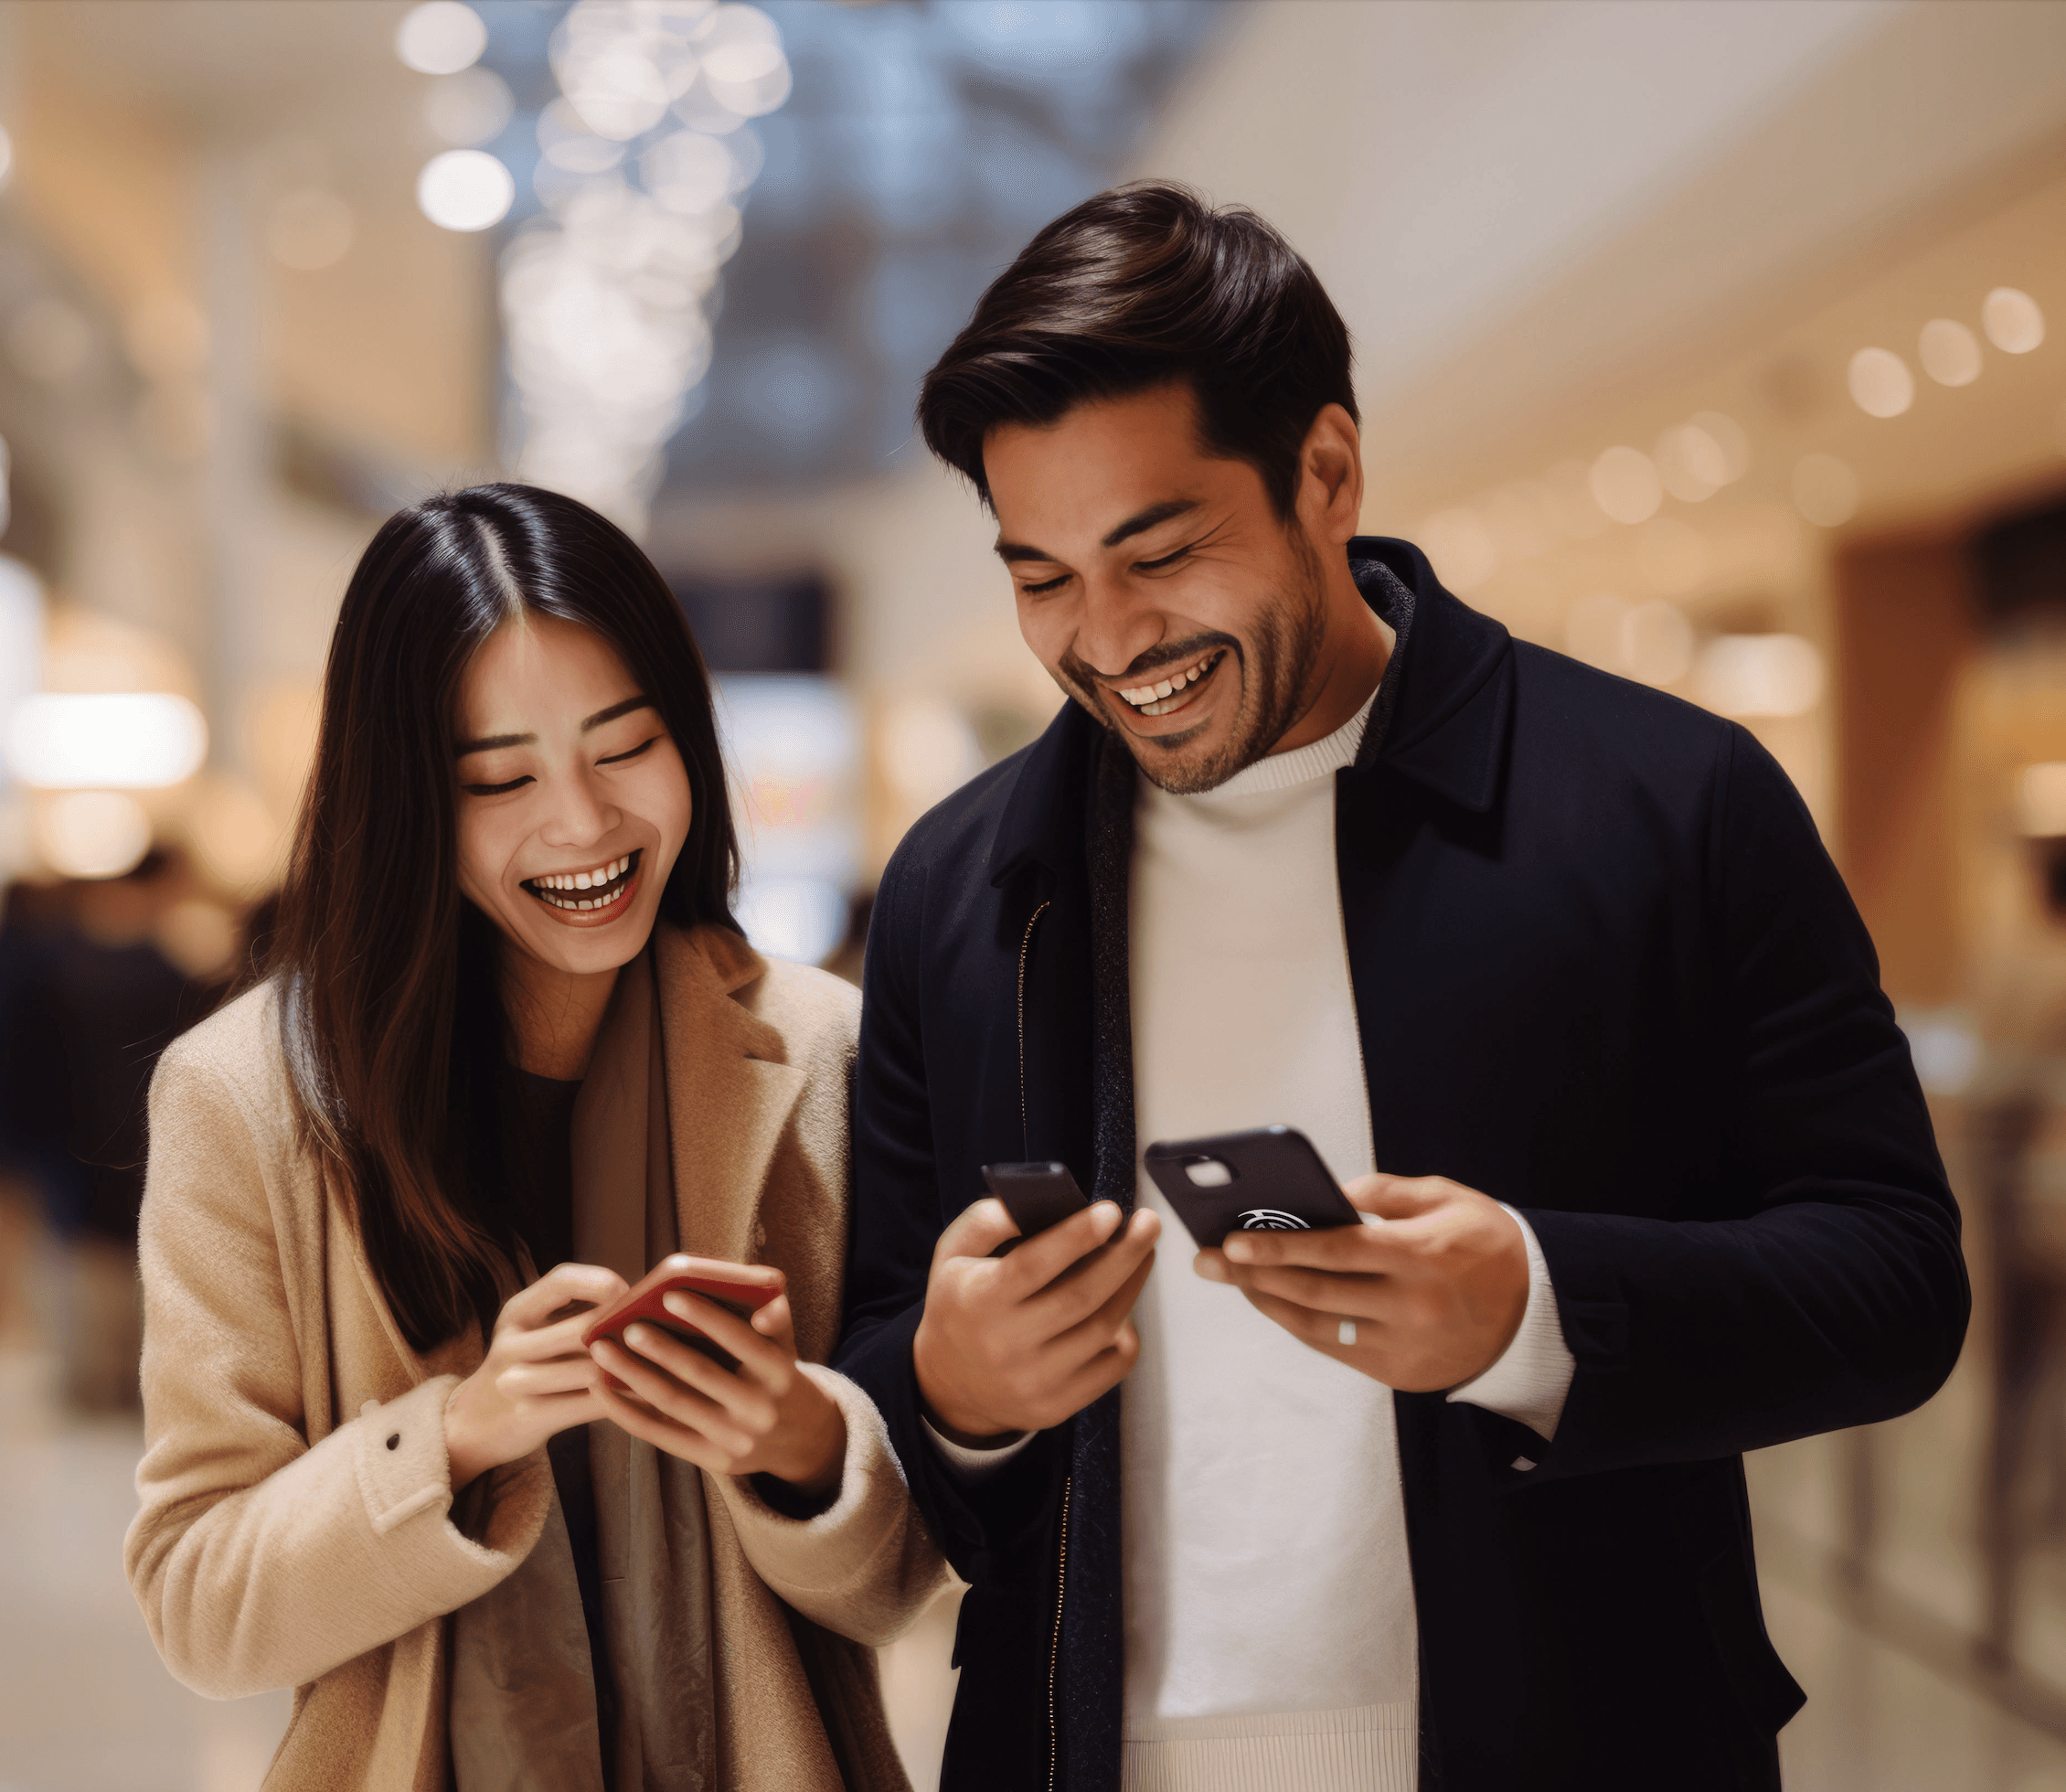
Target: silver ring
[(1346, 1332)]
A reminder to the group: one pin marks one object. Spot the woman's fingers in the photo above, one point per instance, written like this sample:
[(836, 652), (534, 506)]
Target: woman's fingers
[(766, 1354), (777, 1323), (663, 1434), (527, 1381), (529, 1309), (669, 1395), (746, 1399)]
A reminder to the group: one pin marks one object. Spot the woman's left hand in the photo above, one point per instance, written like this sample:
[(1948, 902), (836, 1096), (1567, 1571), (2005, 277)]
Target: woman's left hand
[(765, 1417)]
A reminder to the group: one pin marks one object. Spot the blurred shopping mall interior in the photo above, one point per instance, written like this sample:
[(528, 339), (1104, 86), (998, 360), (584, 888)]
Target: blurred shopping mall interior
[(1720, 343)]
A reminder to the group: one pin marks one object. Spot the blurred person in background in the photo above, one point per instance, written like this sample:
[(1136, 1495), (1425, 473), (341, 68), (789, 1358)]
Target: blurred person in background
[(89, 998), (512, 1050), (1460, 1501)]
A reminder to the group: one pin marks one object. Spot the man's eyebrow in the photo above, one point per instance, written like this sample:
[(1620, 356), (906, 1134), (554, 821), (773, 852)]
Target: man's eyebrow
[(490, 742), (1134, 525), (1146, 520)]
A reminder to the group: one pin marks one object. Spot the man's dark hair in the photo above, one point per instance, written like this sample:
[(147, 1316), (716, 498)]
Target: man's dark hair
[(1139, 286)]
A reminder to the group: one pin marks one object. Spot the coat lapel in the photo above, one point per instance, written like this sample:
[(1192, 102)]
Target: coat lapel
[(730, 1094)]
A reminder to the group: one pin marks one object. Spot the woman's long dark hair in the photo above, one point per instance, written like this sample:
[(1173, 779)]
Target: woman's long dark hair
[(391, 1018)]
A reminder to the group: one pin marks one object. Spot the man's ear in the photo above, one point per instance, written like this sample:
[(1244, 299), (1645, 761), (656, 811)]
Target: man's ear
[(1330, 476)]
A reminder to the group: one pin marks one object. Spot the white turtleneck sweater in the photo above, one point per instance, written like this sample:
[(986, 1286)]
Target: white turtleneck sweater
[(1271, 1640)]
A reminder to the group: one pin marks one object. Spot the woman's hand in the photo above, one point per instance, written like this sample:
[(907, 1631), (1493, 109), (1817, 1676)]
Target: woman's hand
[(536, 1379), (764, 1418)]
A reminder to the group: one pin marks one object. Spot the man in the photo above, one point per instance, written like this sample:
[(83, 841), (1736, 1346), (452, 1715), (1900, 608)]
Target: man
[(1454, 1498)]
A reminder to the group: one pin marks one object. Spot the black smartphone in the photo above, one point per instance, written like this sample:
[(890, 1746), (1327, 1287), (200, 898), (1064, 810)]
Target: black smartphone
[(1268, 1179), (1037, 1196)]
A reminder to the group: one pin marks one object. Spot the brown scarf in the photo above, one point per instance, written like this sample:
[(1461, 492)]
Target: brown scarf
[(522, 1703)]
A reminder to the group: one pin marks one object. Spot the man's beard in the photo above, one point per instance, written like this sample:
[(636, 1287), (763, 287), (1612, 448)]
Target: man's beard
[(1277, 667)]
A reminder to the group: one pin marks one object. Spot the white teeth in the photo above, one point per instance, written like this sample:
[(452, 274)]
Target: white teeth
[(1146, 698), (570, 882)]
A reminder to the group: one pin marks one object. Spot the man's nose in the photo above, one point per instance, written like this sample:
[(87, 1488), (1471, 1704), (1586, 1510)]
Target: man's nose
[(1117, 627)]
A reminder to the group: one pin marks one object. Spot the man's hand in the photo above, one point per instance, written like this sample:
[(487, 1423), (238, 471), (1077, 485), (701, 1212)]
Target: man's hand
[(1020, 1342), (1432, 1297)]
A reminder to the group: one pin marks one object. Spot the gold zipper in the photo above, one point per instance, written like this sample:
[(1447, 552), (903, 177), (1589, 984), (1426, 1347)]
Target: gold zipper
[(1061, 1571), (1054, 1648), (1025, 946)]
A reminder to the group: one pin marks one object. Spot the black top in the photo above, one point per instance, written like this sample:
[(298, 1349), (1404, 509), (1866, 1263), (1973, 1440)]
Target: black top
[(538, 1163), (537, 1176), (1603, 970)]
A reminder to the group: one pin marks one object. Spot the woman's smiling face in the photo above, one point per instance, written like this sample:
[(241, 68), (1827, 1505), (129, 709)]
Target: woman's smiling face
[(573, 800)]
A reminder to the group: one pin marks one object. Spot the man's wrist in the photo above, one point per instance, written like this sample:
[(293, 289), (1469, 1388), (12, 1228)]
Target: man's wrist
[(971, 1430), (968, 1439)]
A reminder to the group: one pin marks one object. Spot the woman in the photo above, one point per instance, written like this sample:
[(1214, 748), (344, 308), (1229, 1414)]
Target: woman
[(511, 1026)]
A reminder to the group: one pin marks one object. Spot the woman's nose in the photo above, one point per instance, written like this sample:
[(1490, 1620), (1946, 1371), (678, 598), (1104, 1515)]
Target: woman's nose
[(580, 815)]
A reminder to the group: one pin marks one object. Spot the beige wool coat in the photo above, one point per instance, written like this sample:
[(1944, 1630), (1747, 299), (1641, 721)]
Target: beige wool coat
[(295, 1527)]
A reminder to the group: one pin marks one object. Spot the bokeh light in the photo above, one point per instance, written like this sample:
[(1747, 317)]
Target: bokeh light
[(1950, 352), (1729, 438), (1881, 383), (1626, 485), (112, 741), (1759, 675), (644, 156), (1691, 462), (92, 833), (2012, 320), (440, 37), (466, 189)]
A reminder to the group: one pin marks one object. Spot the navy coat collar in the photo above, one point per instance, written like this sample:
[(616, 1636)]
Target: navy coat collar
[(1444, 723)]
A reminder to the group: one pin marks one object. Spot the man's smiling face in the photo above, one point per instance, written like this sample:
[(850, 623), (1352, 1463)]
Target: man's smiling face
[(1158, 584)]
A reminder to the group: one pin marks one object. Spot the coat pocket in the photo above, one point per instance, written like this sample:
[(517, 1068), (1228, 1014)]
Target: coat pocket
[(1712, 1517), (1768, 1694)]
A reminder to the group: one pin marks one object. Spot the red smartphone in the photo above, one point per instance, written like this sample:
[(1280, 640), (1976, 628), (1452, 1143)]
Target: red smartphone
[(740, 1288)]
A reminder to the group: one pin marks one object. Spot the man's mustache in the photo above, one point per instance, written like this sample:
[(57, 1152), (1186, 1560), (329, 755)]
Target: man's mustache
[(1179, 653)]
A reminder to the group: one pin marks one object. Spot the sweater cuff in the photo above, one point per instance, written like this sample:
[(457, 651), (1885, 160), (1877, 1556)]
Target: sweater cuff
[(1532, 1377), (973, 1466), (403, 1466), (404, 1474)]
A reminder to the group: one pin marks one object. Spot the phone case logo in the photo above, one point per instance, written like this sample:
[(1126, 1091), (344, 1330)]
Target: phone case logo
[(1272, 1219)]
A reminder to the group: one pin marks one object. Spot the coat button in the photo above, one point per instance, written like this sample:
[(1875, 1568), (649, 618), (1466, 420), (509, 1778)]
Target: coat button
[(395, 1442)]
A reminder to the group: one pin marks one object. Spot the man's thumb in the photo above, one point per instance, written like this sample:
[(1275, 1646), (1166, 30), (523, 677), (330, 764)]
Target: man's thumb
[(976, 1230)]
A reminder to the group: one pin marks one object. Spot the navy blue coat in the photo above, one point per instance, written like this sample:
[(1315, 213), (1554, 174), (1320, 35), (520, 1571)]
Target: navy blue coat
[(1603, 970)]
